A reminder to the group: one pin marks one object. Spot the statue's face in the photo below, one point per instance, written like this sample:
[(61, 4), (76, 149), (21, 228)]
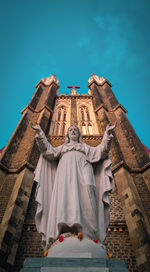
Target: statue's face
[(73, 133)]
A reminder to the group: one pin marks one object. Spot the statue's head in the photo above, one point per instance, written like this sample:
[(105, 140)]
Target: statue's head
[(73, 131)]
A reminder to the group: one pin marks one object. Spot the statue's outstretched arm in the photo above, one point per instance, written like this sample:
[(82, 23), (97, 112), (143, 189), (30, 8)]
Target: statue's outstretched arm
[(37, 128), (41, 139), (110, 128), (107, 139)]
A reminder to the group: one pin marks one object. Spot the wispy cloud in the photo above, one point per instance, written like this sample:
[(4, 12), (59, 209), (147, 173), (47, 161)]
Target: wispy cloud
[(83, 42), (100, 22)]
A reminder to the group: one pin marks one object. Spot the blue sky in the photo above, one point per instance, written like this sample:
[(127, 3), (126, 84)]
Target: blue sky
[(73, 39)]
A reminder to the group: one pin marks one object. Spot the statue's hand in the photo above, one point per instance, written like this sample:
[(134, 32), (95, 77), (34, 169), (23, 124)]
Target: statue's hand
[(36, 127), (110, 128)]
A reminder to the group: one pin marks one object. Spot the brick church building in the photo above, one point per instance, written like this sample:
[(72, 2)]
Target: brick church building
[(128, 235)]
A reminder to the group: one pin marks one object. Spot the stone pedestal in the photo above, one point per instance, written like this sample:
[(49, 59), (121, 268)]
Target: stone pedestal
[(74, 255), (73, 265), (72, 247)]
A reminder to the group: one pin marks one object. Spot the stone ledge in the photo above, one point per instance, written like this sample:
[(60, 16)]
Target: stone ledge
[(78, 96), (113, 110), (113, 227), (73, 264), (115, 168), (84, 137), (37, 111)]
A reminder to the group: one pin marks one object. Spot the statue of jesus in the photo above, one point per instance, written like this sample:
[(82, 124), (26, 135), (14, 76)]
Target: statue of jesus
[(74, 181)]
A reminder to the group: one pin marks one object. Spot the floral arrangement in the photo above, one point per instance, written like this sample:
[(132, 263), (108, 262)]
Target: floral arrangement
[(80, 237)]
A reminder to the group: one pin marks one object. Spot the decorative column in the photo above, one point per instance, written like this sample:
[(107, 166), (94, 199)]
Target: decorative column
[(73, 107), (104, 102)]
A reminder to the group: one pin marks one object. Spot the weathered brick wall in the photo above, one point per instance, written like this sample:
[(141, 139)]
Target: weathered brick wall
[(127, 153), (18, 161), (30, 241), (6, 188), (36, 97), (116, 212), (134, 148), (126, 148), (118, 243), (29, 246), (15, 140), (97, 98), (144, 193)]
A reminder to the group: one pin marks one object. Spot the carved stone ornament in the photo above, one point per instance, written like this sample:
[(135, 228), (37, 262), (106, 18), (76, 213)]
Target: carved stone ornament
[(89, 92), (99, 80), (47, 81)]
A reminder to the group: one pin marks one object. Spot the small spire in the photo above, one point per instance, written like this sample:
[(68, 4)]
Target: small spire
[(48, 80)]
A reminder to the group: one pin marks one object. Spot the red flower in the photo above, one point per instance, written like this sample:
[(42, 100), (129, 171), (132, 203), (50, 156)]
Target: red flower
[(95, 240), (61, 238)]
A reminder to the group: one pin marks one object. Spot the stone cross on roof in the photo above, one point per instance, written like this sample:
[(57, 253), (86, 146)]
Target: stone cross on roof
[(73, 91)]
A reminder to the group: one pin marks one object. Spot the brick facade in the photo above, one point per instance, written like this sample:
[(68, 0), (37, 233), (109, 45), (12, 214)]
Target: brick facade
[(128, 233)]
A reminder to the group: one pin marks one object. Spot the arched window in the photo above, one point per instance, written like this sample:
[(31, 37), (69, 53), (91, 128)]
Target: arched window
[(83, 128), (90, 129), (53, 127), (63, 128), (64, 117), (87, 115), (57, 129), (59, 115), (82, 114)]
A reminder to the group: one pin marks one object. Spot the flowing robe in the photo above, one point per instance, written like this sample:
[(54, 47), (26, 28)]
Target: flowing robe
[(70, 192)]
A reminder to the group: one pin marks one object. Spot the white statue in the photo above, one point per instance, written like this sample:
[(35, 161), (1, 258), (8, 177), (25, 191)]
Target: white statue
[(71, 195)]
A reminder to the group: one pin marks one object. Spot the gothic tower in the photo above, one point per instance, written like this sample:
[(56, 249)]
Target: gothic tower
[(129, 230)]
